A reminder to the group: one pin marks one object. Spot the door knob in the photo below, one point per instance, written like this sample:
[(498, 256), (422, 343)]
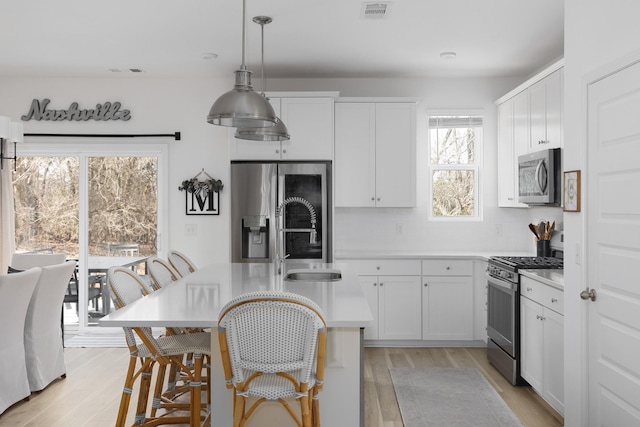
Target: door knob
[(588, 294)]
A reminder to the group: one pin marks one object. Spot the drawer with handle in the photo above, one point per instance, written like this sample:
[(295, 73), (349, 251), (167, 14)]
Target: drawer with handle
[(542, 294), (447, 267)]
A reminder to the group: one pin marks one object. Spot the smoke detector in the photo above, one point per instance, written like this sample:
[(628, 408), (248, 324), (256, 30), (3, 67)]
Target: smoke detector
[(375, 10)]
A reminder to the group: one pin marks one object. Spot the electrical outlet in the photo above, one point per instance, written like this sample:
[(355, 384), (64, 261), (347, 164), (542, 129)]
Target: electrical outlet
[(399, 229), (498, 230), (190, 230)]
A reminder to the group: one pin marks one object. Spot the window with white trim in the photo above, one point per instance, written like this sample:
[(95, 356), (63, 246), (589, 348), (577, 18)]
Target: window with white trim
[(454, 146)]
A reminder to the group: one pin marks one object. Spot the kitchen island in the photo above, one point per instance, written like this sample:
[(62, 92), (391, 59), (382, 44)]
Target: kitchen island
[(196, 300)]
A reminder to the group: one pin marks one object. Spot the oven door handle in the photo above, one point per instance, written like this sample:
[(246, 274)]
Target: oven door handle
[(513, 287)]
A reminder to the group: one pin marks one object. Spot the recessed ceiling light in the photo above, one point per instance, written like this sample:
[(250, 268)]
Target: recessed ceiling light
[(448, 55), (209, 55)]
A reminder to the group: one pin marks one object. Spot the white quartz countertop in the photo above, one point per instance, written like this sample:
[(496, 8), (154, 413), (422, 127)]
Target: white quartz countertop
[(551, 277), (196, 299), (483, 255)]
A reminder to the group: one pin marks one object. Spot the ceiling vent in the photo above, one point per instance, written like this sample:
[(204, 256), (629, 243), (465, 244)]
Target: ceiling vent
[(375, 10)]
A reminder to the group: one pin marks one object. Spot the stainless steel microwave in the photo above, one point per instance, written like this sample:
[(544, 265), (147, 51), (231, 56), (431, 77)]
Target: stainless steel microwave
[(539, 180)]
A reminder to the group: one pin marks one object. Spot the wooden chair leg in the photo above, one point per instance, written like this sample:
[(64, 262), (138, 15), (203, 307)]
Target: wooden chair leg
[(238, 410), (315, 411), (143, 394), (157, 392), (305, 409)]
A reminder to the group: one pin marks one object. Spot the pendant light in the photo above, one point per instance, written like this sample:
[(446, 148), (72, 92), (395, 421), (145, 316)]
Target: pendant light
[(241, 106), (278, 132)]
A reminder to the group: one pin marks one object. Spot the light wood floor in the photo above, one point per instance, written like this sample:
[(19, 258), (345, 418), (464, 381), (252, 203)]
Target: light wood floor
[(90, 394)]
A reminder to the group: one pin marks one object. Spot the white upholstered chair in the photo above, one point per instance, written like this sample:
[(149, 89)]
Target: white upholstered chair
[(127, 287), (24, 261), (181, 263), (272, 346), (42, 336), (15, 293), (161, 272)]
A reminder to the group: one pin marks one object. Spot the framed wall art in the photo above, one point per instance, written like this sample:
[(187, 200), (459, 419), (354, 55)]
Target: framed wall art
[(571, 191), (202, 197)]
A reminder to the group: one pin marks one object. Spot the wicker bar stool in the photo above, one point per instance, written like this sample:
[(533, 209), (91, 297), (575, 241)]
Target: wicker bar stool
[(161, 272), (273, 348), (181, 263), (126, 287)]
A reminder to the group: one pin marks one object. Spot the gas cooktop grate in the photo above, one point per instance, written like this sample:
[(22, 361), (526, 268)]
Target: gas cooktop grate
[(528, 262)]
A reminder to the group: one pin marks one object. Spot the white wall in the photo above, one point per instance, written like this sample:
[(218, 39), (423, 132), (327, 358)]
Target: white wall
[(169, 105), (597, 33), (157, 106)]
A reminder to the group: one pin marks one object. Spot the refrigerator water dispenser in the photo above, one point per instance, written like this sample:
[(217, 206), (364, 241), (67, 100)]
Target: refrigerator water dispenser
[(255, 236)]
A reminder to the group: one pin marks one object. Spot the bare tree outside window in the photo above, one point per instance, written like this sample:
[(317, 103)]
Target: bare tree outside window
[(453, 142), (122, 195)]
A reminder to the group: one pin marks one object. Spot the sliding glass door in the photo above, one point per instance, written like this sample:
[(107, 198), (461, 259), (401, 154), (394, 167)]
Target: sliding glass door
[(103, 208)]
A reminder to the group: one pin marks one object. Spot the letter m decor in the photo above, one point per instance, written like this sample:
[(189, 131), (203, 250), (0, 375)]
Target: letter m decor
[(203, 201), (202, 197)]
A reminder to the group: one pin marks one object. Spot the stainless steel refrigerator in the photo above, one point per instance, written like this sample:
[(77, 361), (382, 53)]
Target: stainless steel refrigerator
[(281, 202)]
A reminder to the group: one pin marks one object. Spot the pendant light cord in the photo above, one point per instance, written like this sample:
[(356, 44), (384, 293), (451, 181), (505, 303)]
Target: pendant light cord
[(244, 5), (264, 89)]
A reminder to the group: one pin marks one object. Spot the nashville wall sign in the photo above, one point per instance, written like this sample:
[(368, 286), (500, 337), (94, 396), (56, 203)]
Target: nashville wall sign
[(106, 111)]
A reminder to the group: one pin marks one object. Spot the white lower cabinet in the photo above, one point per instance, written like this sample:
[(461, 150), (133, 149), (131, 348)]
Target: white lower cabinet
[(542, 340), (447, 300), (395, 304), (393, 290), (421, 300)]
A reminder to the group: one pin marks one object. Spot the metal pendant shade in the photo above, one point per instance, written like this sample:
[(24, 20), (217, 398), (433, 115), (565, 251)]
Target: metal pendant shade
[(241, 106), (278, 132)]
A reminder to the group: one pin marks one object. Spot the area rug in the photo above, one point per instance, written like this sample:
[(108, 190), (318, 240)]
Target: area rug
[(449, 397), (96, 340)]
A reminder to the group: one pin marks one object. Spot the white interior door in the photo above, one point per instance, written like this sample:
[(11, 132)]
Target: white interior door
[(613, 244)]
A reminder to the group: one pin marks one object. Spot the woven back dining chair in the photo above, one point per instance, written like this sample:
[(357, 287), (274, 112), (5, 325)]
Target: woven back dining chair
[(181, 263), (272, 346), (127, 287), (161, 272)]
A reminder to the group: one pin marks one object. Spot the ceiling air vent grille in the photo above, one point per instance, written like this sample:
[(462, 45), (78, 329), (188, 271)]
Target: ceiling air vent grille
[(375, 10)]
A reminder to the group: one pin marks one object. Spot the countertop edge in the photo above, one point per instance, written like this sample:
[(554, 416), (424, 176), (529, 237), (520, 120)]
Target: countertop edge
[(481, 255), (540, 276)]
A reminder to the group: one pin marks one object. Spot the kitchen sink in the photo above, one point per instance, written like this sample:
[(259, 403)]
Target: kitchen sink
[(313, 275)]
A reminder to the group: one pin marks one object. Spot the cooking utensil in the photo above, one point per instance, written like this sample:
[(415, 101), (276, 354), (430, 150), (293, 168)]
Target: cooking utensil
[(542, 231), (534, 231)]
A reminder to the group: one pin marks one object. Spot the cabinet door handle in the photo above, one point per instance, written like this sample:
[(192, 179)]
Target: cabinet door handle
[(426, 284), (381, 283), (554, 300), (373, 198), (448, 268), (529, 289), (277, 151), (378, 198), (375, 284), (284, 151)]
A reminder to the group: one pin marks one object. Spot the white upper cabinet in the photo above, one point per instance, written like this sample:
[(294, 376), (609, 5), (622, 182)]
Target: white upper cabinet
[(545, 102), (310, 124), (508, 154), (529, 120), (375, 148)]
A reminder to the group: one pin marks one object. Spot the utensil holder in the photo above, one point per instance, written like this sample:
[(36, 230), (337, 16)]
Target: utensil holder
[(543, 248)]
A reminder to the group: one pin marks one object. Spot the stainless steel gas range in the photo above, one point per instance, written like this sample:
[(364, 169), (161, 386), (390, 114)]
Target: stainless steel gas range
[(503, 310)]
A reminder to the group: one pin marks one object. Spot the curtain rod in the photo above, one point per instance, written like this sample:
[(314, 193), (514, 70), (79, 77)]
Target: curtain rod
[(175, 135)]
